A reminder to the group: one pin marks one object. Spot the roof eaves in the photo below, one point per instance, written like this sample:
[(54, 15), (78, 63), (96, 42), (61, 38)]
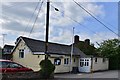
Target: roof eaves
[(16, 46)]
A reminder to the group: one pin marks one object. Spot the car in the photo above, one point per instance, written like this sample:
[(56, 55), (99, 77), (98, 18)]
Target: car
[(7, 66)]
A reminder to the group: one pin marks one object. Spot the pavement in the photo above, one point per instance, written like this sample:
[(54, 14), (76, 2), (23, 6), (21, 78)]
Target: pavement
[(104, 74)]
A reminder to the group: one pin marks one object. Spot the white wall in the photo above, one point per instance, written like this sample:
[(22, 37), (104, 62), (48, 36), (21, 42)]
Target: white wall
[(96, 66), (62, 67), (100, 65), (29, 60), (32, 61), (85, 68)]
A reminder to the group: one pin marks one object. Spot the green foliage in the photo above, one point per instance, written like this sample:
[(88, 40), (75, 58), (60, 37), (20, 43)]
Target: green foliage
[(47, 68), (111, 49), (0, 50)]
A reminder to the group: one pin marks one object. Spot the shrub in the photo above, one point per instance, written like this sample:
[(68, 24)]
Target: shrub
[(47, 68)]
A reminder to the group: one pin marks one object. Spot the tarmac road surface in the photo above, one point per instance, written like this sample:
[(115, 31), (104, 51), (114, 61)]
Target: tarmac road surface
[(103, 74)]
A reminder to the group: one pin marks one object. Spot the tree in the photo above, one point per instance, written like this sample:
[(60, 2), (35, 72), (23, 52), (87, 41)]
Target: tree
[(0, 52), (47, 68), (110, 49)]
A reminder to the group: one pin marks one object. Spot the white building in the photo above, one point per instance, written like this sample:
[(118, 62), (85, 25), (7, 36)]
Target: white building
[(93, 64), (30, 52)]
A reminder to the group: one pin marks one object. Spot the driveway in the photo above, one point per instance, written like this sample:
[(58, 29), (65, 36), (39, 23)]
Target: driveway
[(103, 74)]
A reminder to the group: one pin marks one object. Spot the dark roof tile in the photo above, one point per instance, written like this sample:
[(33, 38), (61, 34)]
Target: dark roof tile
[(53, 48)]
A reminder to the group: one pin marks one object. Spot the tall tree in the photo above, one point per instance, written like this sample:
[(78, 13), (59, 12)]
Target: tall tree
[(111, 49)]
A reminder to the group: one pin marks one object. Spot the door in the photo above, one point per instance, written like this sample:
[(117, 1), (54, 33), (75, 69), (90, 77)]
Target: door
[(85, 65)]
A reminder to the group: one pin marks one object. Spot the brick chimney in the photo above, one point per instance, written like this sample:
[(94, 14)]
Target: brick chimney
[(87, 41), (76, 39)]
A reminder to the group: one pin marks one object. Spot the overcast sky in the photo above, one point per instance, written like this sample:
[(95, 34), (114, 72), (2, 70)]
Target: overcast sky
[(16, 20)]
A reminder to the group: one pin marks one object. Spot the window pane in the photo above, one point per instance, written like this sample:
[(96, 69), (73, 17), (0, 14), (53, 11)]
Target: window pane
[(104, 59), (21, 53), (14, 65), (74, 59), (4, 64), (64, 61), (95, 59), (81, 64), (87, 63), (67, 60), (57, 61)]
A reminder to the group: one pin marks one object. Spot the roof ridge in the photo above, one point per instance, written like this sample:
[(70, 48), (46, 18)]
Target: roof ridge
[(44, 41), (38, 46)]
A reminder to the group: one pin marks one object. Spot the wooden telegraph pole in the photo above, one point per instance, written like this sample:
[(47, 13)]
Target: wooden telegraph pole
[(47, 30)]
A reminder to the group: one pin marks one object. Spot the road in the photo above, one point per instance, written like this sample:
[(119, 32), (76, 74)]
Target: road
[(104, 74)]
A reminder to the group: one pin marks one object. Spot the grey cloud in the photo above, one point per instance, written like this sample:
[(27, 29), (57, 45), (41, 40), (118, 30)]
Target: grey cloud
[(19, 11), (14, 26)]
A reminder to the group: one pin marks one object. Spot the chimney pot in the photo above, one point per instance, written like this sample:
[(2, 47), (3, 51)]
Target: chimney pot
[(87, 41), (76, 39)]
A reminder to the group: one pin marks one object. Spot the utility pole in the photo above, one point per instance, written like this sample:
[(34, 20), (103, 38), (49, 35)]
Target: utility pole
[(4, 38), (47, 29), (72, 49)]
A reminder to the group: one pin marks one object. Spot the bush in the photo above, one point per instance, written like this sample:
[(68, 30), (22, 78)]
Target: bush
[(114, 63), (47, 68)]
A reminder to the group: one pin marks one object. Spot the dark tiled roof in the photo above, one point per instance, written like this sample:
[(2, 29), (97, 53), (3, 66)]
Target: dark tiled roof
[(7, 49), (53, 48), (9, 46)]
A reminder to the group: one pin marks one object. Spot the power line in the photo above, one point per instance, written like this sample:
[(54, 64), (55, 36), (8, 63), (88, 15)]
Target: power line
[(74, 20), (95, 18), (31, 17), (36, 18)]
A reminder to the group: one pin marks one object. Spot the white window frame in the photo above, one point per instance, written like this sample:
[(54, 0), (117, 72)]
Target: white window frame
[(57, 61), (66, 61), (21, 52)]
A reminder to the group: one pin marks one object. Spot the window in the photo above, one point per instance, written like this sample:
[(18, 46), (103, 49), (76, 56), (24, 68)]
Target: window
[(81, 59), (81, 64), (84, 62), (4, 64), (87, 63), (10, 65), (104, 59), (66, 61), (95, 59), (74, 59), (57, 61), (21, 53), (14, 65)]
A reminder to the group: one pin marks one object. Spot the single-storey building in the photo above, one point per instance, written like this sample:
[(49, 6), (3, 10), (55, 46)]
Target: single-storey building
[(29, 52), (93, 62), (90, 64)]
